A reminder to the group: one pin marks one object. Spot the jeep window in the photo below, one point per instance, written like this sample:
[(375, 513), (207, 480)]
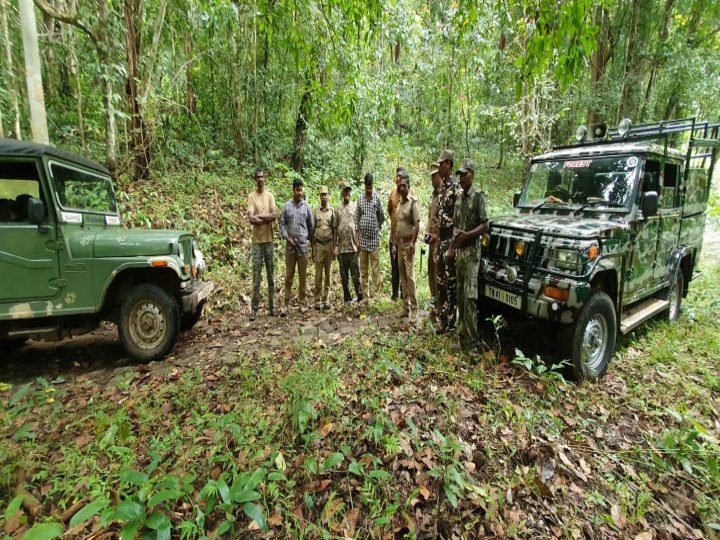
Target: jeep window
[(82, 190), (669, 183), (603, 182), (18, 183)]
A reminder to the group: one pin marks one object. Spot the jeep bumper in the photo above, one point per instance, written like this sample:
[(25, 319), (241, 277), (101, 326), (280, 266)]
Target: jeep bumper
[(196, 293)]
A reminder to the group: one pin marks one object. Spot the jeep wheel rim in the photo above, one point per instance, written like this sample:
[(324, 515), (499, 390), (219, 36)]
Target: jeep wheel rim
[(147, 325), (594, 343)]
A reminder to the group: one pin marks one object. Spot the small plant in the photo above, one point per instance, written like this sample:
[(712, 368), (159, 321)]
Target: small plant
[(536, 367)]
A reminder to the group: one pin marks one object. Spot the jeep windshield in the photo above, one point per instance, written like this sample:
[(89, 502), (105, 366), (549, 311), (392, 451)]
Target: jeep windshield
[(83, 191), (604, 182)]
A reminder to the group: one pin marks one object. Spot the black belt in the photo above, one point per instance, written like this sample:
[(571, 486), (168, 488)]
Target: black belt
[(323, 242)]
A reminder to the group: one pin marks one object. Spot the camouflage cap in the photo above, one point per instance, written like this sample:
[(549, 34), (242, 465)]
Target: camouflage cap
[(446, 155), (346, 186), (434, 168), (466, 166), (324, 190)]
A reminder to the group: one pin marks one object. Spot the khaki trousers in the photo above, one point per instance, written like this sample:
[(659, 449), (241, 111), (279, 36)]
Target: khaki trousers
[(432, 270), (406, 265), (371, 258), (323, 261), (292, 259)]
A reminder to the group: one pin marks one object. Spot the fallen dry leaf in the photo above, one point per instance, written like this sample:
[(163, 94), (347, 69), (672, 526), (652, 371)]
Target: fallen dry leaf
[(618, 516)]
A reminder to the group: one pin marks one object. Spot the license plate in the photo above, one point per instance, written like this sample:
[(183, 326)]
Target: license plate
[(502, 296)]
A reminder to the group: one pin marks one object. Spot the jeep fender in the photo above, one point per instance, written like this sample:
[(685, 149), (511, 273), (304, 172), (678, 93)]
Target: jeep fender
[(128, 274)]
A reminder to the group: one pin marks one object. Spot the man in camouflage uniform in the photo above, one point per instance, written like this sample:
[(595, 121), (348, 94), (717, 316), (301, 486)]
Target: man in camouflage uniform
[(443, 254), (471, 221), (346, 249), (323, 248), (432, 230)]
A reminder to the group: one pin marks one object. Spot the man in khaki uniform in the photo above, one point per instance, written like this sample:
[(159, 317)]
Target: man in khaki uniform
[(346, 248), (406, 231), (323, 246)]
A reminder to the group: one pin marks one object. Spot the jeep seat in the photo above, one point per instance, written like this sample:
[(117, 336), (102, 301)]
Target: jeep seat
[(21, 202)]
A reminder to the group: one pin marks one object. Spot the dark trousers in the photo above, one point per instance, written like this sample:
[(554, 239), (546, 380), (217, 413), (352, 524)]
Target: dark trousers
[(349, 266), (394, 271)]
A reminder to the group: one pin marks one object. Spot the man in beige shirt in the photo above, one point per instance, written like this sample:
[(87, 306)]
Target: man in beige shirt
[(323, 247), (406, 232), (262, 214)]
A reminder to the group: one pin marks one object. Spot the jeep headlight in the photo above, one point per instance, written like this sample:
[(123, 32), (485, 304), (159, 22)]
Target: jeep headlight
[(198, 266), (568, 260)]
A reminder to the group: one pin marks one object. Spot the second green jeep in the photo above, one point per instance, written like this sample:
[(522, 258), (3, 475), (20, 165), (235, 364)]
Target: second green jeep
[(67, 263), (606, 234)]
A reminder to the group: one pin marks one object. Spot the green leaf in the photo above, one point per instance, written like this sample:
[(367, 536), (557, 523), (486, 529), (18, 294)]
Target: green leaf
[(379, 474), (129, 511), (88, 511), (331, 461), (13, 507), (21, 393), (224, 491), (164, 495), (256, 478), (223, 528), (133, 477), (129, 530), (43, 531), (245, 496), (157, 520), (253, 512), (355, 468)]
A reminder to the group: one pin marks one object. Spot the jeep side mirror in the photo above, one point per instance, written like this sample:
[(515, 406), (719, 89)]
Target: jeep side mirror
[(35, 211), (649, 204), (516, 198)]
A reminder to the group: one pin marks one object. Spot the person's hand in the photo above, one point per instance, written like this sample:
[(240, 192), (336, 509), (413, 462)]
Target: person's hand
[(393, 251), (291, 243), (335, 252)]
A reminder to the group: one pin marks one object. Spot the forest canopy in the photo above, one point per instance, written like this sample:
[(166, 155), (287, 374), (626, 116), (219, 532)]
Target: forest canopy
[(331, 85)]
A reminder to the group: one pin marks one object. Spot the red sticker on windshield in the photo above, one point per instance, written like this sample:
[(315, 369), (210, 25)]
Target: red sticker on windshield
[(577, 164)]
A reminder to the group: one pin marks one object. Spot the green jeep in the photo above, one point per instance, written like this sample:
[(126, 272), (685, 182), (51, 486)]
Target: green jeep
[(67, 263), (606, 234)]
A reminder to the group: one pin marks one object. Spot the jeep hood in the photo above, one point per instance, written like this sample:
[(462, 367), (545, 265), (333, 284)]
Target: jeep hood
[(575, 226), (132, 243)]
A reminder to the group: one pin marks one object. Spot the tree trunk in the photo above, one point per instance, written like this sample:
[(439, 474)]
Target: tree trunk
[(301, 124), (141, 148), (33, 74), (10, 76)]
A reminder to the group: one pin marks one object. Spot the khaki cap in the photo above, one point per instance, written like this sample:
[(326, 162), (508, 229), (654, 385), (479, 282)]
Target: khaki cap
[(446, 155), (324, 189)]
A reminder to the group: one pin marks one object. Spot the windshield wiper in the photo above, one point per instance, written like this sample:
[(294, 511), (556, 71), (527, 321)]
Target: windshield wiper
[(551, 201), (597, 201)]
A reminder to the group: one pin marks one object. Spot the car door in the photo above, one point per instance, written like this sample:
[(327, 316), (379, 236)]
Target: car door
[(29, 265)]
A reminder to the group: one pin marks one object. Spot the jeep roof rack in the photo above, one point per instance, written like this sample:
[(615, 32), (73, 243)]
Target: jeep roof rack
[(660, 130)]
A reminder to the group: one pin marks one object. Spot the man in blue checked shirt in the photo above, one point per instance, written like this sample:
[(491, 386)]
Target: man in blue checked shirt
[(297, 226), (369, 217)]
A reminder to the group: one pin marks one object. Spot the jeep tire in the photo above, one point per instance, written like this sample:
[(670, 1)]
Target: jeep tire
[(189, 320), (149, 322), (589, 342)]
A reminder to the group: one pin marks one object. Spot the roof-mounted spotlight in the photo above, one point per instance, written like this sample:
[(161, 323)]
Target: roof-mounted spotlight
[(624, 127), (580, 133)]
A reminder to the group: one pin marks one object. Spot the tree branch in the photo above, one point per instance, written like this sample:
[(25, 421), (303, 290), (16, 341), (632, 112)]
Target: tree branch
[(69, 18)]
